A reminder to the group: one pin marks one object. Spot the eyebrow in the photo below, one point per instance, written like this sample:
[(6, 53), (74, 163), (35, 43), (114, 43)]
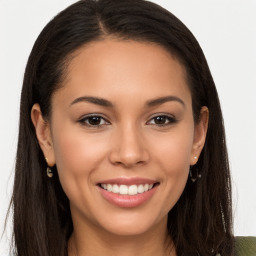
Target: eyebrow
[(94, 100), (162, 100), (106, 103)]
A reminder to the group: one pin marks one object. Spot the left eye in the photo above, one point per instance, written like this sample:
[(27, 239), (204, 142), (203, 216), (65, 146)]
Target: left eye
[(93, 121), (162, 120)]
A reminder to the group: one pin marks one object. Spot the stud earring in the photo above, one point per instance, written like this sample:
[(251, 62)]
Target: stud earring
[(48, 170)]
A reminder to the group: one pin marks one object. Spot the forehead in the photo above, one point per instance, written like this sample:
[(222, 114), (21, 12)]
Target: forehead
[(125, 68)]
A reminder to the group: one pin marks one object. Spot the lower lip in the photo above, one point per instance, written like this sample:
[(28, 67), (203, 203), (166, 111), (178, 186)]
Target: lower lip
[(127, 201)]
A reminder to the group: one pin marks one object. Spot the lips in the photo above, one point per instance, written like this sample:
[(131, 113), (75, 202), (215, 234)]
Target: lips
[(127, 192)]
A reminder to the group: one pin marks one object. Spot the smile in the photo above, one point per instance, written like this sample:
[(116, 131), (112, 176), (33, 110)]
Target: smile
[(127, 190)]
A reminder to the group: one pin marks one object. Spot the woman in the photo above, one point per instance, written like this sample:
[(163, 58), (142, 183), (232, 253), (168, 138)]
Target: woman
[(121, 143)]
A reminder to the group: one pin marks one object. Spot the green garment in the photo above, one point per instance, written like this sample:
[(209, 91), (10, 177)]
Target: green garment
[(245, 246)]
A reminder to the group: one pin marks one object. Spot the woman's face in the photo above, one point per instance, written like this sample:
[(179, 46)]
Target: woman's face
[(122, 135)]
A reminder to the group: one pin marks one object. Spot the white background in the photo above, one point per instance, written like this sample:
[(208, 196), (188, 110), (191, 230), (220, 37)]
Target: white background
[(226, 30)]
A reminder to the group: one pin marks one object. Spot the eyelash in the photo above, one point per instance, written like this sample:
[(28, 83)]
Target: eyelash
[(85, 120), (171, 120)]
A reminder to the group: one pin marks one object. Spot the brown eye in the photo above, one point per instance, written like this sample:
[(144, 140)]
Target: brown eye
[(162, 120), (93, 121)]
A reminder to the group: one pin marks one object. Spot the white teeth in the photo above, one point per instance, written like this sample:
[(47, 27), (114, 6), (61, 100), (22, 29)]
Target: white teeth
[(133, 190), (140, 189), (123, 190), (127, 190), (109, 187), (115, 189)]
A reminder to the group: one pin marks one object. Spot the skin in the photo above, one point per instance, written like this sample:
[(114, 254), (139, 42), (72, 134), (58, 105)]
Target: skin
[(128, 143)]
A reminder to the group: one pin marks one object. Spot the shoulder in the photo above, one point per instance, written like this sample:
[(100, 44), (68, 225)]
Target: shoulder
[(245, 245)]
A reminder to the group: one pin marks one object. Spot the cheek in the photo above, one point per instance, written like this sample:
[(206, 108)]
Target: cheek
[(173, 152), (77, 156), (173, 156)]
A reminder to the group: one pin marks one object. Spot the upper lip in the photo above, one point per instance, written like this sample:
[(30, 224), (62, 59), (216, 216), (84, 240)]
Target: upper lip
[(128, 181)]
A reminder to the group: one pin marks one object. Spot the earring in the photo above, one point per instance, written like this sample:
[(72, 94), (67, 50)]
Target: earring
[(48, 170), (194, 178)]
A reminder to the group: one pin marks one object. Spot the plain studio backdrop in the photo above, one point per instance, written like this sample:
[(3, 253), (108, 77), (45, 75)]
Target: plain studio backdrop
[(226, 31)]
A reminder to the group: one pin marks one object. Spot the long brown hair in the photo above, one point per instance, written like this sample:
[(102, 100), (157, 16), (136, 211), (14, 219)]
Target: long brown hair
[(201, 221)]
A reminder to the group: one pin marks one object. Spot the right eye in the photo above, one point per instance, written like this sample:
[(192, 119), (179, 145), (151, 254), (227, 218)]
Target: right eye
[(93, 121), (162, 120)]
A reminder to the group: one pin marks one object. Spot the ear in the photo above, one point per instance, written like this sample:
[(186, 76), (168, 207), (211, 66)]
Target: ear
[(43, 134), (199, 135)]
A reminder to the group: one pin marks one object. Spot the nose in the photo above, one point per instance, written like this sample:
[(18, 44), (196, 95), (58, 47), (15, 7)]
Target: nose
[(128, 148)]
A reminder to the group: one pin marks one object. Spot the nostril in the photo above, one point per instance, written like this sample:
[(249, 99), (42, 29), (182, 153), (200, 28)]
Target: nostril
[(129, 153)]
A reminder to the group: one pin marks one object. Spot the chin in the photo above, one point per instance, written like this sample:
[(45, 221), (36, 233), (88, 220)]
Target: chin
[(131, 223), (124, 229)]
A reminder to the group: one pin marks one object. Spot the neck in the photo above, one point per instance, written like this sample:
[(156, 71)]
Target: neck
[(92, 242)]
